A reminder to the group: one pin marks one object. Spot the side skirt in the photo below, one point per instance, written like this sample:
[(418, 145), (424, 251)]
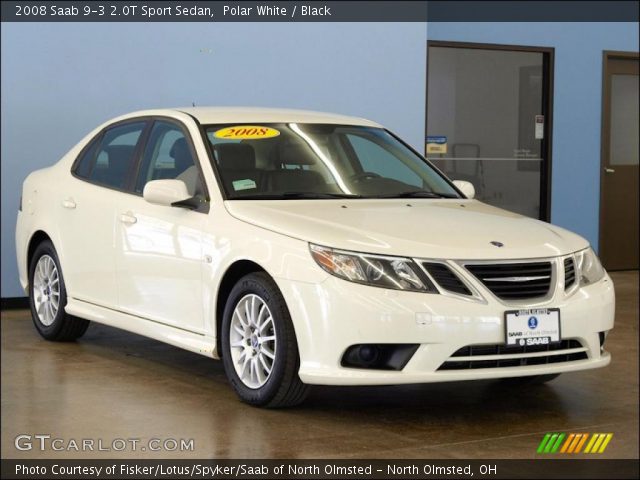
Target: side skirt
[(194, 342)]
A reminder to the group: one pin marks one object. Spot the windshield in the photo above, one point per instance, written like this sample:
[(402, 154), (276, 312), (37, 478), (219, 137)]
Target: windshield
[(316, 161)]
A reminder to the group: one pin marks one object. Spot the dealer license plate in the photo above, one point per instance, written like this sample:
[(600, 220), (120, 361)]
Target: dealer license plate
[(536, 326)]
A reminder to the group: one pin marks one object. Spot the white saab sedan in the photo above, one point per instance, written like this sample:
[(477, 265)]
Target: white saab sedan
[(302, 248)]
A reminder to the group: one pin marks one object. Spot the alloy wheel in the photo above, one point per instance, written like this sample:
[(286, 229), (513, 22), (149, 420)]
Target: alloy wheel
[(252, 339), (46, 290)]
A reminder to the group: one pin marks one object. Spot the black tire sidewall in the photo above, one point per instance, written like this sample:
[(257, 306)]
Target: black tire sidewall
[(266, 289), (47, 331)]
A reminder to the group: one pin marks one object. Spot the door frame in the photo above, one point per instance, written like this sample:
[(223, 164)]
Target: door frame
[(605, 120), (548, 67)]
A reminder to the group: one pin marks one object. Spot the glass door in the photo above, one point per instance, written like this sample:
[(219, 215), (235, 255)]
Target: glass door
[(488, 121)]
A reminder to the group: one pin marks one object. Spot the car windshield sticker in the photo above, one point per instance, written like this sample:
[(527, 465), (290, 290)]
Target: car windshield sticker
[(247, 132), (245, 184)]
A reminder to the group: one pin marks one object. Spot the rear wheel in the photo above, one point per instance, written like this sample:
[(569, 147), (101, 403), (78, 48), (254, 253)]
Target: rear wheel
[(48, 297), (259, 346)]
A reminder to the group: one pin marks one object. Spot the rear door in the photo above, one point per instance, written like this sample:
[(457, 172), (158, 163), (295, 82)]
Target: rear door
[(88, 210), (158, 248)]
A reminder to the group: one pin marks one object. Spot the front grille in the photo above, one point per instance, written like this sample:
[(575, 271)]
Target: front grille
[(514, 281), (481, 352), (569, 273), (444, 277)]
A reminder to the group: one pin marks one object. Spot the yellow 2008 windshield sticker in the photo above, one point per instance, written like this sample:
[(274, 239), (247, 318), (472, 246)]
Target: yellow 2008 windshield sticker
[(246, 132)]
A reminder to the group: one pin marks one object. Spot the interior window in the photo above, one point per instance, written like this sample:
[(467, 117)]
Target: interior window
[(167, 156), (115, 155)]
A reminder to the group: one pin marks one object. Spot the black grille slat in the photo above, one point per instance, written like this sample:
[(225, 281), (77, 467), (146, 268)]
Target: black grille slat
[(491, 274), (516, 271), (569, 273), (444, 277), (517, 286), (483, 350), (499, 349)]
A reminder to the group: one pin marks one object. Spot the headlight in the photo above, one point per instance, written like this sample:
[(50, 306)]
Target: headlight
[(379, 271), (589, 266)]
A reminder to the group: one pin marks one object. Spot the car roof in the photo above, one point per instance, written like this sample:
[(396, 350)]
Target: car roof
[(219, 115)]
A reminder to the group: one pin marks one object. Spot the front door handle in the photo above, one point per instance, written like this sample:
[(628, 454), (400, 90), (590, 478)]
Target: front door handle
[(128, 218), (609, 170), (69, 203)]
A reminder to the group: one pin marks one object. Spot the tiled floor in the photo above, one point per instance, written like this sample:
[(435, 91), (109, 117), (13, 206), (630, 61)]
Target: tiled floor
[(113, 384)]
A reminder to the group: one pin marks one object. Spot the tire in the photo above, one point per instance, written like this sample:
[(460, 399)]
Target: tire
[(260, 303), (46, 284), (531, 380)]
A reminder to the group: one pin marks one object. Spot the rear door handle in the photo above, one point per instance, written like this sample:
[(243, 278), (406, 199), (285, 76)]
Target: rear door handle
[(609, 170), (128, 218), (69, 203)]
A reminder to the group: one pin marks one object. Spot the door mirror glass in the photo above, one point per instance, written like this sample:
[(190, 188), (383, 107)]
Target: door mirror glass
[(165, 192), (466, 188)]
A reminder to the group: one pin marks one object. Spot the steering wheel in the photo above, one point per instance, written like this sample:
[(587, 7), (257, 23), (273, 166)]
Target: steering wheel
[(358, 177)]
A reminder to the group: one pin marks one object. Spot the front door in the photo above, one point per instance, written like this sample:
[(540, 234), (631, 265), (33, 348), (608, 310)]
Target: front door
[(619, 187), (159, 248)]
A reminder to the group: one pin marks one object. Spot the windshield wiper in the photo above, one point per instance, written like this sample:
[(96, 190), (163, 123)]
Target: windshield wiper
[(418, 194), (294, 195), (318, 195)]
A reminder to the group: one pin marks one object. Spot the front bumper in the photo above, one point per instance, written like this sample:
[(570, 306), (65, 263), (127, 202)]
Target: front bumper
[(331, 316)]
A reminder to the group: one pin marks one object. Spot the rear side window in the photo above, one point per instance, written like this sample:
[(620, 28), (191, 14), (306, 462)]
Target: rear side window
[(114, 157), (85, 162)]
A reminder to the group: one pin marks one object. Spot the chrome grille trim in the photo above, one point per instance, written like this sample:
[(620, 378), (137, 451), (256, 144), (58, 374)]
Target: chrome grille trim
[(515, 280)]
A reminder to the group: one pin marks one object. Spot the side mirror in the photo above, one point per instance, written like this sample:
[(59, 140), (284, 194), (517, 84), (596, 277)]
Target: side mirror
[(165, 192), (465, 187)]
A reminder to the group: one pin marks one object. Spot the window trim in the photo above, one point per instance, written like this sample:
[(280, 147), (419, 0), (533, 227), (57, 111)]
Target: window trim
[(210, 157), (137, 155), (204, 208), (98, 137)]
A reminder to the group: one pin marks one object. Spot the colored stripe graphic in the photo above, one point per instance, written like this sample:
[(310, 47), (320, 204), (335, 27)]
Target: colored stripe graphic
[(582, 441), (573, 443), (592, 440), (570, 439), (607, 439), (550, 443), (556, 446), (543, 443)]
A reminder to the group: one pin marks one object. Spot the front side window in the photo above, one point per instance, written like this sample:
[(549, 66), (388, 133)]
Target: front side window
[(115, 155), (295, 160), (168, 155)]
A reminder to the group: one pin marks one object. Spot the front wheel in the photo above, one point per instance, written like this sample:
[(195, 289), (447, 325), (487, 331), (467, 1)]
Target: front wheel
[(259, 346), (48, 297)]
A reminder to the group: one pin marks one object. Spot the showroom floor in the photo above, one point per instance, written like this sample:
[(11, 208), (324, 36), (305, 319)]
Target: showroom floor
[(113, 384)]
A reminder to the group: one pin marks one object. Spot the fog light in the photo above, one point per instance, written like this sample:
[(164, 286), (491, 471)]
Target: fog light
[(368, 353), (379, 356)]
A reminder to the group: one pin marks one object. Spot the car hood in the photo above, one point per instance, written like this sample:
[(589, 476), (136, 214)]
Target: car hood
[(426, 228)]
